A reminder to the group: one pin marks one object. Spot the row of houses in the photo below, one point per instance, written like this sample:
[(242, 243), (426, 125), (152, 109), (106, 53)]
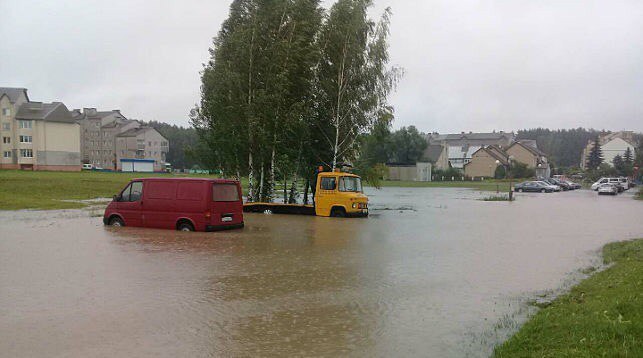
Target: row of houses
[(49, 136), (475, 155)]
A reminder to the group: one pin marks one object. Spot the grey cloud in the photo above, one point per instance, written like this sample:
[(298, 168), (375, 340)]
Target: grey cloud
[(470, 65)]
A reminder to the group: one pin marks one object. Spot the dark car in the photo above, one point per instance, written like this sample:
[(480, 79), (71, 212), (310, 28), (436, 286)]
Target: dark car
[(533, 186)]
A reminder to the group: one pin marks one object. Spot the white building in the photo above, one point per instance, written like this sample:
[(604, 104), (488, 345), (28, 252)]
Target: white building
[(612, 144)]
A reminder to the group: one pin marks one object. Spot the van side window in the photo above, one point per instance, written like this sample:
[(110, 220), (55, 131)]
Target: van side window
[(328, 183), (137, 191), (125, 193)]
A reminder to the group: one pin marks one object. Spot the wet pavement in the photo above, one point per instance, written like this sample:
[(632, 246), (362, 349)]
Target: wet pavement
[(432, 272)]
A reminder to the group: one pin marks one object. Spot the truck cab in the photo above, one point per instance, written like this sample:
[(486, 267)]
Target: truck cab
[(340, 194)]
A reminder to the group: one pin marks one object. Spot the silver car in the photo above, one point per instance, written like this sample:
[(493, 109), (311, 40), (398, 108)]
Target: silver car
[(607, 189)]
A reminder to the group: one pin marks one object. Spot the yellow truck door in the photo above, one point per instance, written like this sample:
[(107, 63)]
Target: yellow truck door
[(325, 194)]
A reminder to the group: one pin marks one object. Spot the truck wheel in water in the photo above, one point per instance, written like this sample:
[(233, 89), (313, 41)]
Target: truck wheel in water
[(338, 213), (184, 226), (118, 222)]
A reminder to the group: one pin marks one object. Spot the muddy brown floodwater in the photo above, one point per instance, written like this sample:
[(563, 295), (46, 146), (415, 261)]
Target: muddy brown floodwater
[(432, 272)]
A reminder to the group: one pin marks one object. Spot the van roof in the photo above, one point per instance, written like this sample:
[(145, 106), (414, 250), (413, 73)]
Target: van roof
[(188, 179)]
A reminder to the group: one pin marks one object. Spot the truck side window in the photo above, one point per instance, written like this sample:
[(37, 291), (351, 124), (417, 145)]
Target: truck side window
[(328, 183)]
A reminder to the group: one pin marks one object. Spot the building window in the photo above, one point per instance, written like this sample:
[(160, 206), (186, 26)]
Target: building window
[(6, 154), (25, 124), (6, 126), (26, 153), (6, 111), (149, 144), (26, 139), (6, 140)]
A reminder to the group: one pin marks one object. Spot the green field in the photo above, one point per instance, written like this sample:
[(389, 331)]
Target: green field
[(51, 190), (600, 317), (48, 190), (487, 185)]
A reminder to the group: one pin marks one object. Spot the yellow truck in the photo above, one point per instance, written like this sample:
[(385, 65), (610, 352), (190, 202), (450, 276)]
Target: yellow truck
[(337, 194)]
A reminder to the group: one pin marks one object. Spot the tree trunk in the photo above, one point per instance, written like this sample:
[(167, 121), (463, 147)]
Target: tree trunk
[(262, 195), (306, 191), (251, 191)]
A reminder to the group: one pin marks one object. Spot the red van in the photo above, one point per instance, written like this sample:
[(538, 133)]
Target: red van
[(185, 204)]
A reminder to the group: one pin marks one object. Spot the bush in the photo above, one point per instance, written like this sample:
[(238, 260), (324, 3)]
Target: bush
[(520, 170)]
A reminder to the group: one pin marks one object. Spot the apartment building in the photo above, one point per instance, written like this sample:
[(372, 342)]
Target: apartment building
[(98, 133), (36, 135), (142, 143)]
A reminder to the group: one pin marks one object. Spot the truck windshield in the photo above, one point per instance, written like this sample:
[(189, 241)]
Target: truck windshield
[(350, 184)]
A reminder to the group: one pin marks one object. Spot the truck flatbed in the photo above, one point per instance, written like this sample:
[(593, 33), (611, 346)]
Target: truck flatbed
[(277, 208)]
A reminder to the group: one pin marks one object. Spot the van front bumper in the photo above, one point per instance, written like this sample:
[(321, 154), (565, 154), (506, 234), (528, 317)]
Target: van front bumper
[(210, 228)]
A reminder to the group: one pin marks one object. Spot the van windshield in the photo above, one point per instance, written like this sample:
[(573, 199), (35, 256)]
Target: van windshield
[(225, 192), (351, 184)]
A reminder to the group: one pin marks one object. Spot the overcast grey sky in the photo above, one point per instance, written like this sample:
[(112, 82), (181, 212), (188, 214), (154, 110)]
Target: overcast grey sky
[(470, 65)]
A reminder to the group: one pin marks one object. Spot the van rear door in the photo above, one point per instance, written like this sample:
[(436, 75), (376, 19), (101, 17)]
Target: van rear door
[(227, 208)]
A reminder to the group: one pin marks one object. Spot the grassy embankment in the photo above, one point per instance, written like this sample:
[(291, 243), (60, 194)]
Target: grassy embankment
[(639, 195), (50, 190), (601, 317)]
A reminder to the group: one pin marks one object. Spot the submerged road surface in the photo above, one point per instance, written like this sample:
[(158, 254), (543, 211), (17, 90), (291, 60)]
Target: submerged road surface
[(432, 272)]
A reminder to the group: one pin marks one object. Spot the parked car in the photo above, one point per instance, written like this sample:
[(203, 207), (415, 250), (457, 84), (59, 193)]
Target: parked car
[(604, 181), (186, 204), (607, 189), (88, 166), (563, 184), (552, 186), (559, 184), (625, 182), (573, 185), (533, 186)]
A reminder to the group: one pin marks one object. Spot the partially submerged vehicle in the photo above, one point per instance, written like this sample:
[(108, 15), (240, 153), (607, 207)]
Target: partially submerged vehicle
[(185, 204), (337, 194)]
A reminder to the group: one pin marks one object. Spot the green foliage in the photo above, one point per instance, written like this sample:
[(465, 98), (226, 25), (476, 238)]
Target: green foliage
[(520, 170), (595, 156), (407, 146), (447, 174), (600, 317), (563, 146), (290, 86), (501, 172)]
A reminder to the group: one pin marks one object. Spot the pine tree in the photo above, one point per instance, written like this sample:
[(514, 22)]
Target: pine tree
[(619, 165), (595, 156), (627, 156)]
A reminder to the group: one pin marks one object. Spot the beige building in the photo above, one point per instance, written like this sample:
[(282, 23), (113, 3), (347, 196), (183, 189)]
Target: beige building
[(36, 135), (612, 144), (142, 143), (456, 150), (485, 161), (98, 134)]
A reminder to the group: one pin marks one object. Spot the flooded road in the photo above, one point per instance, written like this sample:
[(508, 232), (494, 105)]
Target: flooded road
[(432, 272)]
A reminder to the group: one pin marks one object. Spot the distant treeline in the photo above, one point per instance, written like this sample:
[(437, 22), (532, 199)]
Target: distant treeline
[(563, 146)]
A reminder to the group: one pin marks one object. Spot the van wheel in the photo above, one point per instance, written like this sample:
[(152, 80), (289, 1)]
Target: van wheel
[(543, 191), (185, 226), (116, 221), (338, 213)]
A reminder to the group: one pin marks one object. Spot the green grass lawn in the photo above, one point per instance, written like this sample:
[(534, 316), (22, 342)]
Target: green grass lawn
[(600, 317), (487, 185), (46, 190)]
